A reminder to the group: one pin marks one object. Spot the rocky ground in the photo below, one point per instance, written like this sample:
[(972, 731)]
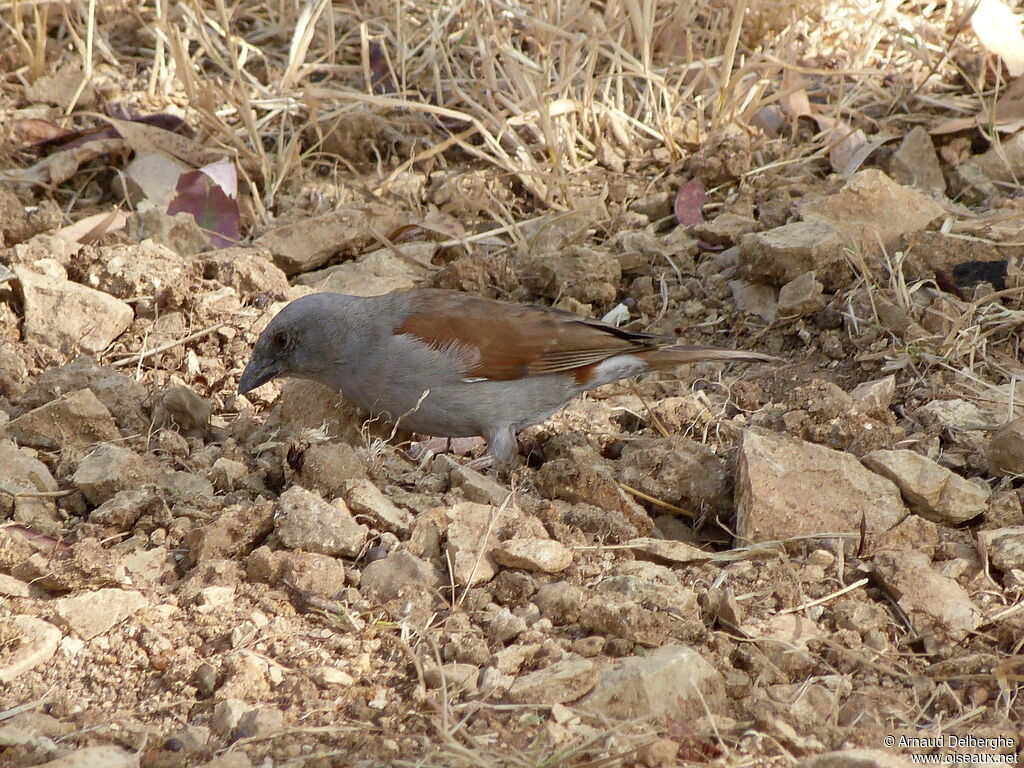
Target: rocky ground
[(816, 562)]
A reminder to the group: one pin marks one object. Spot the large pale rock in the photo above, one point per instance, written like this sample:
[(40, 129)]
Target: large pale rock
[(1005, 547), (787, 487), (66, 316), (474, 530), (673, 680), (930, 489), (366, 499), (938, 607), (75, 421), (22, 472), (872, 210), (125, 398), (560, 683), (309, 523), (108, 469), (93, 613), (107, 755), (311, 243), (390, 578), (782, 254), (377, 273), (533, 554), (28, 641)]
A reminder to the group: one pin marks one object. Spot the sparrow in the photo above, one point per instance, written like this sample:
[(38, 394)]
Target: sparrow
[(451, 364)]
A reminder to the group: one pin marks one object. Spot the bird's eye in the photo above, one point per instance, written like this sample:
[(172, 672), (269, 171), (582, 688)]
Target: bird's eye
[(280, 339)]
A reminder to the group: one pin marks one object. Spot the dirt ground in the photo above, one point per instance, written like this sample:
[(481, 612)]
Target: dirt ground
[(814, 562)]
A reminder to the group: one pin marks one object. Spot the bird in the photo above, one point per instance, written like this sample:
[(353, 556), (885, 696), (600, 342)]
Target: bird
[(451, 364)]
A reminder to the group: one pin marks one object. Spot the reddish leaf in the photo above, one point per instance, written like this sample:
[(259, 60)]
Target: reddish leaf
[(690, 201), (208, 195)]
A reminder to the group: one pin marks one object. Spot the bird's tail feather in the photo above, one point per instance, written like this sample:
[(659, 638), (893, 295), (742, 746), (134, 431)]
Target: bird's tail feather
[(679, 354)]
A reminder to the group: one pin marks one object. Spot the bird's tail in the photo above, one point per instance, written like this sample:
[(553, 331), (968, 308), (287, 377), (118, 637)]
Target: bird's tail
[(679, 354)]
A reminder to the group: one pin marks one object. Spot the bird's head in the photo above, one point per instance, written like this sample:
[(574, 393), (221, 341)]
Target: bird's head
[(304, 339)]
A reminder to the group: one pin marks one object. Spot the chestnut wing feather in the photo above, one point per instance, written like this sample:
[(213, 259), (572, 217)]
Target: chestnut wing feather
[(512, 341)]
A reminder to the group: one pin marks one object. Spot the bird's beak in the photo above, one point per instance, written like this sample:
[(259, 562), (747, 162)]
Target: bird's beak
[(259, 371)]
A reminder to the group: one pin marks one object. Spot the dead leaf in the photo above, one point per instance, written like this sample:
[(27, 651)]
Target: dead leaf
[(208, 194), (156, 175), (61, 166), (689, 205), (150, 138), (92, 228)]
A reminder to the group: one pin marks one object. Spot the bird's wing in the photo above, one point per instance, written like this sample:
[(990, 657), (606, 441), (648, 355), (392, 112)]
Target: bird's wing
[(510, 341)]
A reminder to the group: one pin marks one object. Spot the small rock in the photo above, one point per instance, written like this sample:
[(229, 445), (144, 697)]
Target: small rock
[(309, 523), (232, 533), (875, 396), (755, 299), (952, 414), (801, 296), (560, 683), (1005, 547), (27, 642), (773, 474), (462, 677), (612, 614), (327, 467), (473, 533), (126, 507), (561, 602), (329, 677), (312, 573), (389, 578), (75, 421), (932, 491), (939, 608), (533, 554), (577, 272), (94, 613), (260, 723), (108, 469), (588, 646), (183, 409), (226, 714), (22, 472), (67, 316), (1005, 451), (658, 753), (673, 680), (873, 211), (475, 486), (725, 229), (510, 660), (678, 471), (584, 477), (125, 398), (505, 626), (782, 254), (247, 270), (365, 498), (304, 245), (227, 474), (916, 165)]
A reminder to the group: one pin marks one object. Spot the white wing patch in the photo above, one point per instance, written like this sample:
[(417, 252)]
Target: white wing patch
[(615, 368)]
